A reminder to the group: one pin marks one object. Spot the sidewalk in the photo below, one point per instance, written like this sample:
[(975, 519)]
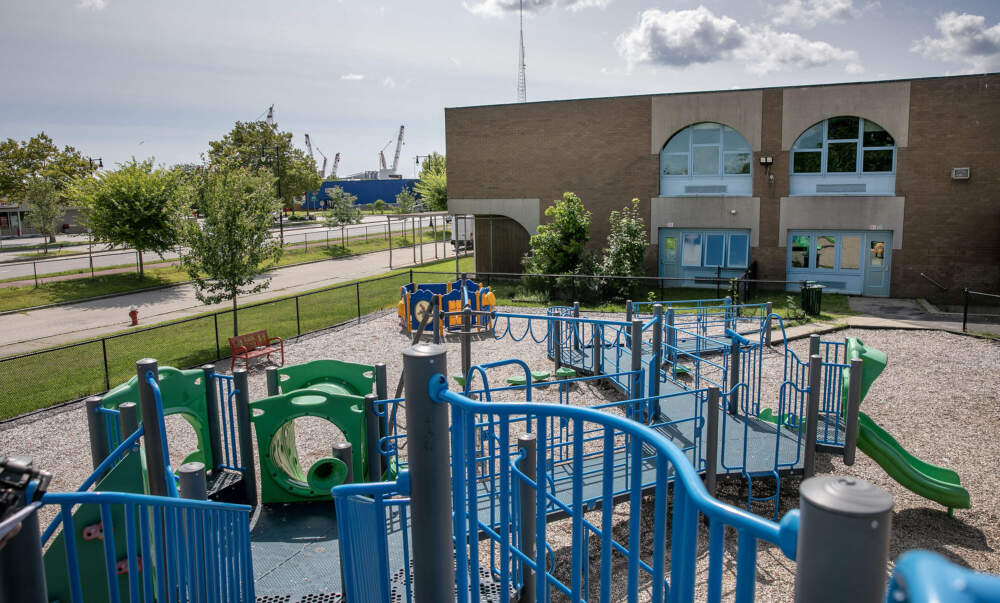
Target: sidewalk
[(28, 331)]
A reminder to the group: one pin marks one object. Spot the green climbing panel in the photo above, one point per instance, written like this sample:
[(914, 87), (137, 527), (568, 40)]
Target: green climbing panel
[(355, 379), (126, 476), (183, 393), (282, 478)]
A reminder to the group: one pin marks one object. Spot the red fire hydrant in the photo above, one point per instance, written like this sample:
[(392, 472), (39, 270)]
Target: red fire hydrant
[(133, 313)]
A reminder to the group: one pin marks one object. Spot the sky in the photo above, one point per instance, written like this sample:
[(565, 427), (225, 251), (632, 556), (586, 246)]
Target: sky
[(124, 78)]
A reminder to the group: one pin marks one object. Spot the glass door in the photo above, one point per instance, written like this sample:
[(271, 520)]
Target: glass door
[(669, 254), (878, 250)]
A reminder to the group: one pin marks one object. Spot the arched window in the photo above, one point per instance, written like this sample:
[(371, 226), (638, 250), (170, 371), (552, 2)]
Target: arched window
[(846, 156), (706, 159)]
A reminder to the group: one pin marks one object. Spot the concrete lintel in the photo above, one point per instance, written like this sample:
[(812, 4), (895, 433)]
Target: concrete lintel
[(705, 212), (842, 213), (526, 212), (885, 103), (738, 109)]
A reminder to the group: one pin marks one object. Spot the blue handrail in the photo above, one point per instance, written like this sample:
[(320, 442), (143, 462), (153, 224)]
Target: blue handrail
[(925, 577)]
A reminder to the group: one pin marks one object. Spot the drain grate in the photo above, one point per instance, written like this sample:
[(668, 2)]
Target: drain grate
[(315, 598), (489, 590)]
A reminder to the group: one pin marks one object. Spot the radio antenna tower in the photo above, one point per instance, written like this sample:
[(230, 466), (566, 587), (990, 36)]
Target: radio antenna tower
[(522, 92)]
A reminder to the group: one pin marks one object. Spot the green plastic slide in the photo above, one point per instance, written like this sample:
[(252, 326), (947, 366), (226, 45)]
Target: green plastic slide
[(939, 484)]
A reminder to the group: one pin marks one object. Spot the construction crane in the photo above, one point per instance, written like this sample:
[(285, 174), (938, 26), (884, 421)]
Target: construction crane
[(336, 162), (270, 115), (399, 147), (381, 156), (384, 170), (322, 170), (309, 147)]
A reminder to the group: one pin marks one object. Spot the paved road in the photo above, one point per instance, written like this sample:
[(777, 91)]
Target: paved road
[(27, 331), (372, 226)]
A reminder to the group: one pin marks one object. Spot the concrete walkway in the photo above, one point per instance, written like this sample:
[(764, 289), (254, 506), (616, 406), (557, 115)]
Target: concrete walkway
[(28, 331)]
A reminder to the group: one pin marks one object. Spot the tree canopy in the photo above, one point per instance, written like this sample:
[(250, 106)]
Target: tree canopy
[(135, 205), (252, 145), (227, 251), (558, 247), (342, 208), (38, 157), (433, 187), (45, 208)]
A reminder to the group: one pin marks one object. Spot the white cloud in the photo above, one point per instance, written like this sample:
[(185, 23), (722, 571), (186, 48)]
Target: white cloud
[(688, 37), (809, 13), (497, 8), (353, 77), (93, 4), (388, 82), (854, 68), (965, 39)]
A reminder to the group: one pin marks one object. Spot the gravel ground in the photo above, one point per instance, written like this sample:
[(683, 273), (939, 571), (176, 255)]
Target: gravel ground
[(943, 406)]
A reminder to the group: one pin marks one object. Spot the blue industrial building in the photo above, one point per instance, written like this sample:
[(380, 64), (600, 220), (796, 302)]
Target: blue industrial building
[(367, 191)]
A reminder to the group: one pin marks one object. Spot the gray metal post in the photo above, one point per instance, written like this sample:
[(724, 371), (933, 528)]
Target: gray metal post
[(843, 541), (712, 439), (529, 465), (853, 408), (153, 437), (430, 486), (375, 460), (436, 310), (342, 451), (729, 303), (657, 352), (271, 373), (212, 406), (812, 413), (466, 337), (128, 418), (628, 310), (557, 343), (192, 481), (768, 309), (813, 344), (636, 356), (598, 349), (734, 378), (22, 570), (247, 459), (672, 340), (97, 429), (381, 381), (576, 326)]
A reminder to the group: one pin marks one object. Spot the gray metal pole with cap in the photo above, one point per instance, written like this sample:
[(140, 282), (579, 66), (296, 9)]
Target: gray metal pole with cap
[(768, 309), (527, 502), (271, 373), (557, 343), (156, 468), (657, 360), (97, 431), (212, 407), (247, 459), (853, 410), (842, 553), (734, 377), (342, 451), (128, 418), (712, 439), (636, 367), (576, 326), (430, 484), (466, 337), (812, 413), (813, 344), (192, 481), (374, 460)]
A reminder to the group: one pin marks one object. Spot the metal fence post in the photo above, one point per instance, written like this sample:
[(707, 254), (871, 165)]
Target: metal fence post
[(343, 452), (436, 313), (466, 337), (636, 358), (672, 340), (843, 541), (656, 362), (813, 344), (107, 368), (712, 439), (271, 374), (212, 406), (298, 319), (628, 310), (97, 429), (153, 438), (218, 350), (128, 418), (965, 309), (430, 486), (768, 309), (812, 413), (22, 570), (381, 381), (597, 348), (245, 436), (192, 481), (576, 326), (853, 408), (557, 343), (527, 502), (375, 462), (734, 376)]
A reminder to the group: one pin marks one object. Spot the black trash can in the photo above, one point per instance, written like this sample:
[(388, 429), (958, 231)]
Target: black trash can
[(812, 297)]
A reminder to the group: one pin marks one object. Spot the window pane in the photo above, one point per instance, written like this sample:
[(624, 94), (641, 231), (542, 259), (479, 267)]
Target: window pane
[(800, 251), (876, 253), (738, 250), (737, 163), (691, 253), (733, 140), (842, 128), (875, 136), (715, 249), (680, 142), (706, 160), (878, 161), (806, 163), (850, 253), (826, 249), (669, 250), (842, 157), (675, 165), (705, 133), (811, 138)]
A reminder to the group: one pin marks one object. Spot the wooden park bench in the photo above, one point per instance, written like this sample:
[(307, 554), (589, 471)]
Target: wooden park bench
[(254, 345)]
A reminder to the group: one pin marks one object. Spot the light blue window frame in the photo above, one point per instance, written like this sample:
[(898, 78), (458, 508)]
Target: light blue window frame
[(741, 243), (689, 257), (727, 144), (875, 182), (715, 250)]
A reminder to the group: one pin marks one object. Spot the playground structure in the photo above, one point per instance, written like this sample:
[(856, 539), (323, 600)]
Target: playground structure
[(417, 301), (488, 487)]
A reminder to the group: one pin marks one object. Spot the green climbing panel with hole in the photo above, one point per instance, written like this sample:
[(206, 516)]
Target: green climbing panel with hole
[(355, 379), (183, 394), (282, 477)]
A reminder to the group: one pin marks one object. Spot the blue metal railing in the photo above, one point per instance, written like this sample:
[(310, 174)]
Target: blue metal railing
[(176, 549), (226, 387), (111, 425), (925, 577), (666, 462), (831, 423)]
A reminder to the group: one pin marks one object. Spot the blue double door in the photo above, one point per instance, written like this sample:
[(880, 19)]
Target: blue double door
[(852, 262)]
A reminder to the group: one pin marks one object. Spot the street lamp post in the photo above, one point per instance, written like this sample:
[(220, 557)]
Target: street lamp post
[(99, 161)]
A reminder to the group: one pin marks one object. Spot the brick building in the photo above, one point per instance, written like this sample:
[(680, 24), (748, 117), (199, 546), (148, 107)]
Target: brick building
[(874, 188)]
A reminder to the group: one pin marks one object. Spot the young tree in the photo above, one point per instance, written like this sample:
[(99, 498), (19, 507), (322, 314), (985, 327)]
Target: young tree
[(559, 245), (342, 208), (379, 206), (406, 202), (627, 242), (45, 208), (432, 185), (134, 205), (227, 251)]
